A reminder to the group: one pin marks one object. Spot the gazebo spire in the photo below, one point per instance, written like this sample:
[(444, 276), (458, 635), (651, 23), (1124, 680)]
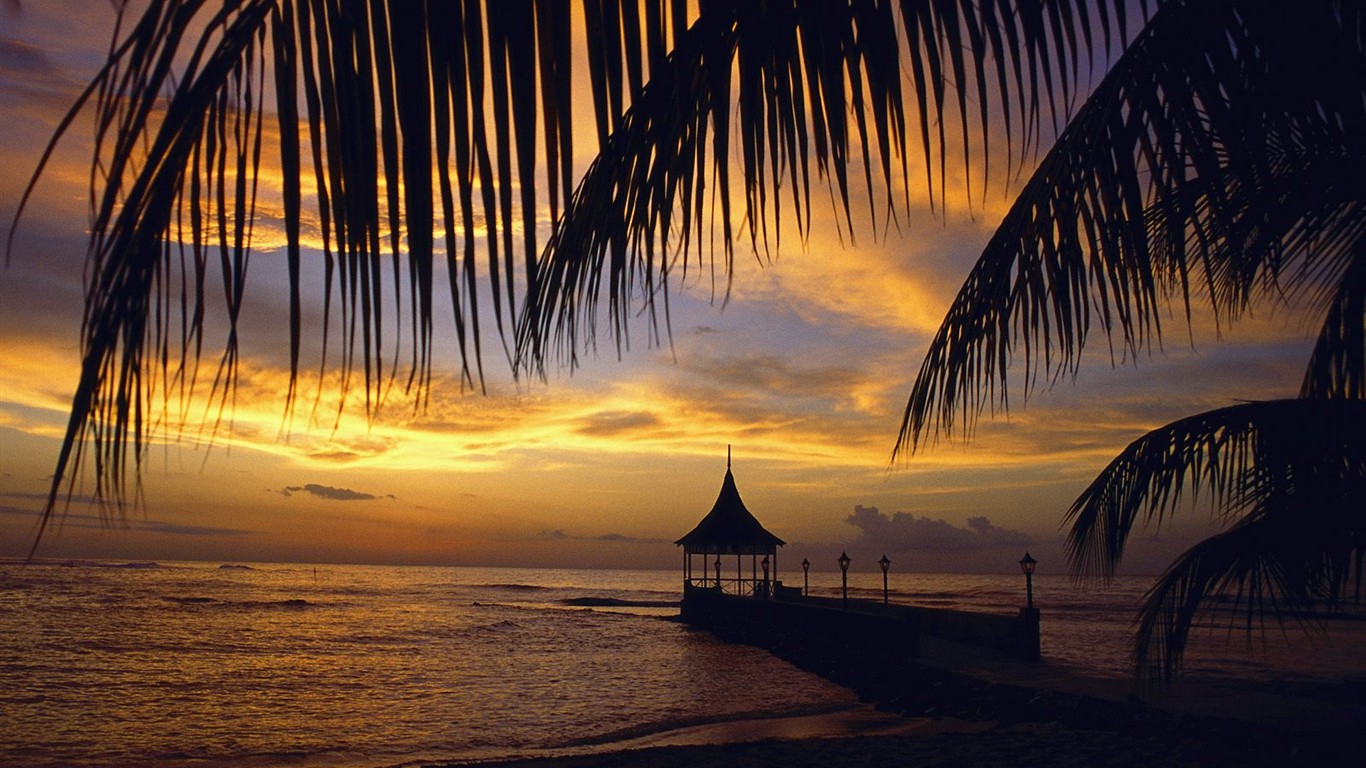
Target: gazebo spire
[(731, 529)]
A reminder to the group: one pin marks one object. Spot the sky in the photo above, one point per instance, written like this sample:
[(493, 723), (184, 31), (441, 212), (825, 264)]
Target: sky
[(803, 370)]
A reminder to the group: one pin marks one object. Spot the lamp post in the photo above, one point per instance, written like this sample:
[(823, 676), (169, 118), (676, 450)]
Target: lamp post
[(806, 577), (718, 571), (844, 577), (885, 563), (764, 563), (1027, 564), (1029, 617)]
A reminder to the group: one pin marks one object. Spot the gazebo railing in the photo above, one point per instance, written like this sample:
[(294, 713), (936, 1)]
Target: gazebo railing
[(745, 573), (743, 586)]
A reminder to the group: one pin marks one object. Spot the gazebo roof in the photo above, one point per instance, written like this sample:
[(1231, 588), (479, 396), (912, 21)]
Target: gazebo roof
[(729, 524)]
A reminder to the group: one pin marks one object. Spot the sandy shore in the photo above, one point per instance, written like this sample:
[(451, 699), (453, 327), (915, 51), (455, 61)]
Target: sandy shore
[(1018, 745), (957, 706), (948, 742)]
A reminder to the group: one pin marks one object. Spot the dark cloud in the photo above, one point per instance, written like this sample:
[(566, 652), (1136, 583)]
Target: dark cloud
[(337, 456), (177, 529), (332, 494), (348, 455), (609, 423), (558, 534), (74, 499), (621, 537), (30, 80), (86, 520), (907, 533), (6, 509), (20, 58), (775, 376)]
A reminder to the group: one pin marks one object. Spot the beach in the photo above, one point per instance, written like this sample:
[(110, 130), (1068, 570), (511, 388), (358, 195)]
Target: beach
[(962, 706), (1135, 735), (994, 746)]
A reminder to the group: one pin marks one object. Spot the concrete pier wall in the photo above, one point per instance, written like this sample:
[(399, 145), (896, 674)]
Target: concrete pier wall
[(813, 625), (1016, 636), (892, 631)]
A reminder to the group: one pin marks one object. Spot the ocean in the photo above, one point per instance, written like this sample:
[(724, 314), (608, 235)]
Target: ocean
[(163, 665)]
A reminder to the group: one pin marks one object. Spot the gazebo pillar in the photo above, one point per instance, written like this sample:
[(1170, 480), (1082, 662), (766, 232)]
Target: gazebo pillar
[(730, 528)]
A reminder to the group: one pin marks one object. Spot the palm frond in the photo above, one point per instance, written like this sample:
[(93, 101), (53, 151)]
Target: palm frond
[(814, 81), (1337, 367), (1286, 478), (1308, 456), (380, 124), (1281, 565), (1213, 156), (392, 119)]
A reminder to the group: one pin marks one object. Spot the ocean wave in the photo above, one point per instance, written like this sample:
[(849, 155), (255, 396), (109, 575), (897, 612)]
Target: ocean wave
[(514, 587), (674, 724), (938, 602), (616, 602), (291, 603), (146, 565), (496, 626), (939, 594)]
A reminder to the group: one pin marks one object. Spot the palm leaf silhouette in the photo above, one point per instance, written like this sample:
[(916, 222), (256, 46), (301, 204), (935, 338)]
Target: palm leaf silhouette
[(382, 121), (392, 116), (815, 83), (1286, 478), (1213, 161), (1216, 163), (1250, 460)]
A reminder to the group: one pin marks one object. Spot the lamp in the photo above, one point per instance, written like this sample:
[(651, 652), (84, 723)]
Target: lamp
[(806, 577), (885, 563), (844, 577), (1027, 564)]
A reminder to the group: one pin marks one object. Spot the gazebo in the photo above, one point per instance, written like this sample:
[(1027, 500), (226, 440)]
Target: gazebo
[(730, 529)]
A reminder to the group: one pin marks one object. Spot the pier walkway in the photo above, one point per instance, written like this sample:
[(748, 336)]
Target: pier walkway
[(915, 661), (785, 615)]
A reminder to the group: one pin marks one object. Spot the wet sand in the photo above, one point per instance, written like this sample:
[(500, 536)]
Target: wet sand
[(960, 706), (1018, 745)]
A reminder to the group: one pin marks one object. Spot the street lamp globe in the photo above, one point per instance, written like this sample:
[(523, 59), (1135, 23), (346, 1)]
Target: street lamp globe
[(844, 578), (885, 563), (1027, 564)]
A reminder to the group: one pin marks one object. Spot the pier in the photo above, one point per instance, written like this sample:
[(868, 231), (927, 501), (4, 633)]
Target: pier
[(783, 616), (736, 593)]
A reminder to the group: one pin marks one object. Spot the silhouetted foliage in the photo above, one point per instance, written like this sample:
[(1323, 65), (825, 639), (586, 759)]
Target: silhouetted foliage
[(402, 128), (1218, 162), (1219, 159)]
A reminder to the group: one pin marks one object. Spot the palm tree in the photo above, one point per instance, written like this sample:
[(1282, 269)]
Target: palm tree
[(1213, 159), (1220, 160), (402, 128)]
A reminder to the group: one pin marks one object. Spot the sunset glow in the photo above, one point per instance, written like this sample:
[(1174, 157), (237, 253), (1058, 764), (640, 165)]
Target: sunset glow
[(803, 368)]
